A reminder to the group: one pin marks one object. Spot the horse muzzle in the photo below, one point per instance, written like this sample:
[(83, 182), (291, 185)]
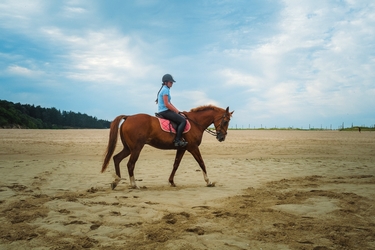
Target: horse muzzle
[(220, 137)]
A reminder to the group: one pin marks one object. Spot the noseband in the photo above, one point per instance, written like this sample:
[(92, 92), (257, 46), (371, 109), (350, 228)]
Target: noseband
[(220, 126), (213, 133)]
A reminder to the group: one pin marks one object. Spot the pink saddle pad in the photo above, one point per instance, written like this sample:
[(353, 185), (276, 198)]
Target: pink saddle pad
[(164, 124)]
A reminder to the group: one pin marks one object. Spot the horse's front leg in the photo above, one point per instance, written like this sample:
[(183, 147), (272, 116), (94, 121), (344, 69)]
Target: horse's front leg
[(179, 154), (198, 157), (131, 165)]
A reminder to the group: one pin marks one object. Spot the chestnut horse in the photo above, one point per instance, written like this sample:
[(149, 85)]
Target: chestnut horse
[(140, 129)]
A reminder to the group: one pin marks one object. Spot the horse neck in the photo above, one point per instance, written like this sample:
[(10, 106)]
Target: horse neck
[(203, 118)]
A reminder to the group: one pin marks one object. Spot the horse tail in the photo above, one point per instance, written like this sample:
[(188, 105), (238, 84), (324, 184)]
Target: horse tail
[(113, 132)]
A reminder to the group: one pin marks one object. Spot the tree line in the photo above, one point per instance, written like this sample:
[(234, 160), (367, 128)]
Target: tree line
[(17, 115)]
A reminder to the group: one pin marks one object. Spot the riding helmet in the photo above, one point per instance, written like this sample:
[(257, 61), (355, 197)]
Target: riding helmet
[(167, 78)]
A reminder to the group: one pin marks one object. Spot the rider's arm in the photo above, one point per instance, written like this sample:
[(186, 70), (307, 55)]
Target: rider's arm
[(169, 105)]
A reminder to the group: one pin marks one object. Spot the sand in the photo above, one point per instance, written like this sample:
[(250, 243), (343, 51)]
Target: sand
[(274, 190)]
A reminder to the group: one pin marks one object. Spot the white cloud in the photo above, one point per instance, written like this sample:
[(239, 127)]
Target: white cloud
[(82, 54), (100, 56), (315, 60), (18, 15), (23, 71), (236, 78), (319, 63), (193, 98), (74, 10)]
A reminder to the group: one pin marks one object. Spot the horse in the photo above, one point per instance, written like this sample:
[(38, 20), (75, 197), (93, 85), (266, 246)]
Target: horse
[(140, 129)]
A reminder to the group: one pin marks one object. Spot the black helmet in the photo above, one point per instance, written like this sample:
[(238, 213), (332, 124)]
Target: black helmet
[(167, 78)]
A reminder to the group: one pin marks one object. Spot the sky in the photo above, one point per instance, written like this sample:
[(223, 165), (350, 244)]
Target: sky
[(281, 64)]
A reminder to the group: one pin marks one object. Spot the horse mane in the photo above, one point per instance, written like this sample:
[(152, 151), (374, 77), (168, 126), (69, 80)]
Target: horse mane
[(205, 107)]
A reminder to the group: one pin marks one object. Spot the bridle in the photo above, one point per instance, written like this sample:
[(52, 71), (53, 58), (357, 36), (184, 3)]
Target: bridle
[(209, 131)]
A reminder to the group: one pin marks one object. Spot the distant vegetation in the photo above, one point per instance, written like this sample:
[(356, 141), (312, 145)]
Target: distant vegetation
[(16, 115), (352, 128), (356, 128)]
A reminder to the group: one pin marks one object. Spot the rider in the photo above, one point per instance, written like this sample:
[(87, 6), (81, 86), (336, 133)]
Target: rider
[(170, 112)]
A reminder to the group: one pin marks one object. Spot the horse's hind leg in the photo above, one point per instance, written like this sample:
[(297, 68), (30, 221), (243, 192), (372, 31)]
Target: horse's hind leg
[(117, 159)]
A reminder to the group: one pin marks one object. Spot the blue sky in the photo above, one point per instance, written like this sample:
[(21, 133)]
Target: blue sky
[(276, 63)]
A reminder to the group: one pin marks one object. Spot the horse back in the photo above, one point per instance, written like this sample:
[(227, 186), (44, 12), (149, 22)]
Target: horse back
[(138, 122), (141, 124)]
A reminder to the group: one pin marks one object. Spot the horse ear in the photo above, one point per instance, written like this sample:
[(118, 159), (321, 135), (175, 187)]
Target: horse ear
[(227, 110)]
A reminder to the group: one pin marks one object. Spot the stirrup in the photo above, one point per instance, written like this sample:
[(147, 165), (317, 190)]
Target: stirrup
[(180, 143)]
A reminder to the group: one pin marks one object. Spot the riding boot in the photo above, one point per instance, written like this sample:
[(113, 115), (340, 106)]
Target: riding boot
[(179, 143)]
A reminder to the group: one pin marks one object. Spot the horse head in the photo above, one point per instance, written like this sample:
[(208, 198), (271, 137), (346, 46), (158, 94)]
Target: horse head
[(221, 125)]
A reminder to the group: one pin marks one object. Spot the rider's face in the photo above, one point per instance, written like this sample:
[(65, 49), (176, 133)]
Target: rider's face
[(169, 84)]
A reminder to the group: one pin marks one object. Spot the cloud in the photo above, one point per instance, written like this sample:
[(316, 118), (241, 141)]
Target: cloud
[(81, 54), (100, 56), (19, 16), (289, 61), (196, 98), (74, 10), (236, 78), (317, 61), (23, 71)]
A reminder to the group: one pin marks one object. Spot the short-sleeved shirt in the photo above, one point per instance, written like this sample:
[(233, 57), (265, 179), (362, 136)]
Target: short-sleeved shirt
[(161, 105)]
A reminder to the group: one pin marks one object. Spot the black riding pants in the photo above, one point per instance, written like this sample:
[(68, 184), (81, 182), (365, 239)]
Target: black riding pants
[(178, 119)]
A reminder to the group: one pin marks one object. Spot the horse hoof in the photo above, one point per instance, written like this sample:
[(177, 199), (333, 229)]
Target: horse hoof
[(173, 185), (113, 185), (211, 184)]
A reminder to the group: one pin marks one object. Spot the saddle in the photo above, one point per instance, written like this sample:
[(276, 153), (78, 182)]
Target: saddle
[(170, 126)]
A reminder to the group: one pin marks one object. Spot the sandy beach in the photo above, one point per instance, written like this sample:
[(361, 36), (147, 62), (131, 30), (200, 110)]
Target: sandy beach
[(273, 190)]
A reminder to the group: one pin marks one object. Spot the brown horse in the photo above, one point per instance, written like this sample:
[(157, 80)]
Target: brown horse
[(140, 129)]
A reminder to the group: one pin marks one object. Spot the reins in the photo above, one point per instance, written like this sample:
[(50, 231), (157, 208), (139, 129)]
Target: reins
[(206, 129), (210, 132)]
